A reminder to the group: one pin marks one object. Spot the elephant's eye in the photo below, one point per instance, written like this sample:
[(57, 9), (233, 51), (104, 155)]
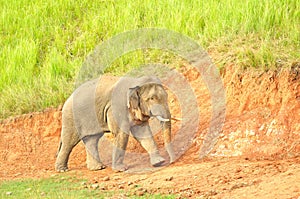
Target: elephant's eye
[(151, 98)]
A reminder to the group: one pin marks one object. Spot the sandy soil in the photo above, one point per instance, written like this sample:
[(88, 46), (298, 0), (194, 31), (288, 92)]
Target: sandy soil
[(257, 154)]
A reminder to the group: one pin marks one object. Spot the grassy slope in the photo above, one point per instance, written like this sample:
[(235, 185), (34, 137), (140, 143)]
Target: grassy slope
[(43, 43)]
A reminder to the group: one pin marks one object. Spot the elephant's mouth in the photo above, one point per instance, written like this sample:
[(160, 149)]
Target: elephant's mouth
[(141, 120), (145, 118)]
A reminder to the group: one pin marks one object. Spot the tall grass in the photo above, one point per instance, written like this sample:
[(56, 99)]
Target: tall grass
[(43, 43)]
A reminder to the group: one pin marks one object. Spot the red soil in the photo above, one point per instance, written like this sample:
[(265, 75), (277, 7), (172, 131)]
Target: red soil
[(257, 154)]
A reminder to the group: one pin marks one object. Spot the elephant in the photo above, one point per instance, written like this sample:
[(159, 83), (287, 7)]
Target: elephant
[(121, 106)]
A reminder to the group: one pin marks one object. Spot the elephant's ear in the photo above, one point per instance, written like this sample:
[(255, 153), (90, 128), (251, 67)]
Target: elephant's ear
[(133, 103), (133, 99)]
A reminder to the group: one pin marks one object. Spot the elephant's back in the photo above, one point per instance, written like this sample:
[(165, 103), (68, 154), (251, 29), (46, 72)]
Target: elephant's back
[(108, 79)]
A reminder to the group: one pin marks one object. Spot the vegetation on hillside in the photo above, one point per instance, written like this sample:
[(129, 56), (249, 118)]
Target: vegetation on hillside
[(44, 43)]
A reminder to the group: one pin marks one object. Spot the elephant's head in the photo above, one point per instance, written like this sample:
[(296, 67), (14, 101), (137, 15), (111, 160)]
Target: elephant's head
[(150, 99)]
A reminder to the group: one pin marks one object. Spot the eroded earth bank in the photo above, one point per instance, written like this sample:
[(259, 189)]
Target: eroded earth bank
[(257, 154)]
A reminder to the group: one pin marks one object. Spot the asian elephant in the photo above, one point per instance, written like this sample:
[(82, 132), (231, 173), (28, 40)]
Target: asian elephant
[(121, 106)]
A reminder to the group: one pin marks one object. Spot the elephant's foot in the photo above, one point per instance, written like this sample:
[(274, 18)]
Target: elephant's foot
[(61, 169), (95, 166), (156, 160), (120, 167), (171, 153)]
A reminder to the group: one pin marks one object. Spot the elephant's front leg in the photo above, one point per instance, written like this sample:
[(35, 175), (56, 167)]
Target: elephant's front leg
[(143, 135), (120, 144)]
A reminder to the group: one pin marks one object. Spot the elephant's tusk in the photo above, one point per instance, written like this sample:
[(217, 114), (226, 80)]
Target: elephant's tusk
[(176, 118), (162, 119)]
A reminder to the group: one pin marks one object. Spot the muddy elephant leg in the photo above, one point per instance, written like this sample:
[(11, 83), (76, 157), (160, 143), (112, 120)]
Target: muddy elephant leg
[(144, 136), (69, 139), (92, 154), (120, 144)]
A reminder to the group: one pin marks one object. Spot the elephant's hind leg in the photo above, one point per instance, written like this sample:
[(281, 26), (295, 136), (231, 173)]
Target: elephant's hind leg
[(92, 154), (69, 139)]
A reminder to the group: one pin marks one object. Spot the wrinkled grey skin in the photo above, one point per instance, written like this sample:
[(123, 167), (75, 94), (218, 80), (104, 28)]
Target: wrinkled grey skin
[(121, 106)]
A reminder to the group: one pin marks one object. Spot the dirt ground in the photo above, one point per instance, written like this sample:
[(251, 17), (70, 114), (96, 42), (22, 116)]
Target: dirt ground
[(257, 154)]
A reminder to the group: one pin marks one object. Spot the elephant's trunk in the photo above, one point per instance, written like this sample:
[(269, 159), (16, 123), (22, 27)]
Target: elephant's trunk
[(162, 113), (168, 138)]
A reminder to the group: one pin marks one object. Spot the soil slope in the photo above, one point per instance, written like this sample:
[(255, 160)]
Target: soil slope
[(257, 154)]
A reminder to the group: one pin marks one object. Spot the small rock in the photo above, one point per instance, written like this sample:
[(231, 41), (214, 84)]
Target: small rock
[(8, 193), (17, 174), (59, 108), (103, 188), (28, 189), (84, 185), (256, 181), (223, 181), (139, 193), (117, 178), (106, 178), (56, 115), (237, 186), (262, 127), (95, 186), (129, 183), (140, 189), (169, 178), (221, 135), (296, 190), (252, 133), (121, 187), (238, 170), (212, 193)]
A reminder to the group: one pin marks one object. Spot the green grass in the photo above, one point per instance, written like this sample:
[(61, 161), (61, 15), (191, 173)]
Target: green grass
[(65, 187), (44, 43), (55, 187)]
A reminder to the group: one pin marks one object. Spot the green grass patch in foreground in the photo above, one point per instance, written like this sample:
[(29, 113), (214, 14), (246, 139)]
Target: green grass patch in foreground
[(55, 187), (65, 187)]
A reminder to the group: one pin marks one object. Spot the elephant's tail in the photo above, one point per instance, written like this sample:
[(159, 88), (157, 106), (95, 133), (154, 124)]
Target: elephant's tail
[(59, 147)]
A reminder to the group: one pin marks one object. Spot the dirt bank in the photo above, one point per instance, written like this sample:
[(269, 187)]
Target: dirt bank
[(257, 154)]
